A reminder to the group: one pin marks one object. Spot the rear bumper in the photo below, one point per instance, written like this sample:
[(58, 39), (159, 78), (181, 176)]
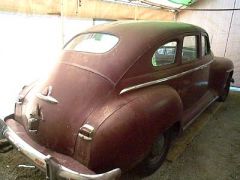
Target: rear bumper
[(50, 162)]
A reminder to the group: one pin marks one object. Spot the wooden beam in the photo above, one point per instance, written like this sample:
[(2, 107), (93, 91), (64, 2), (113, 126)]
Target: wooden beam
[(84, 9)]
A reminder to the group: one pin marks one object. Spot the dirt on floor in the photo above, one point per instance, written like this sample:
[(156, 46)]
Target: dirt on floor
[(213, 154)]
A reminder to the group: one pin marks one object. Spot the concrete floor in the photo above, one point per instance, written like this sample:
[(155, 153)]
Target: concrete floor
[(209, 149)]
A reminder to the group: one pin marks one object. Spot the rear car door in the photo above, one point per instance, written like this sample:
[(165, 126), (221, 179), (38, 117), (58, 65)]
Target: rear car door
[(195, 82)]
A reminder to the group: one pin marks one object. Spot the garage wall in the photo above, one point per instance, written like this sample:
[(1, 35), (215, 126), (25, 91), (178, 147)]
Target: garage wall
[(223, 28), (32, 33), (30, 46)]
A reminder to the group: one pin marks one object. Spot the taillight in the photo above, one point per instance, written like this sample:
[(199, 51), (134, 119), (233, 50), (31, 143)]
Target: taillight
[(86, 132), (20, 100)]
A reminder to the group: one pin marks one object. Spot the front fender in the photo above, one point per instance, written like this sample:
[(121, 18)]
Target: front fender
[(125, 137), (220, 70)]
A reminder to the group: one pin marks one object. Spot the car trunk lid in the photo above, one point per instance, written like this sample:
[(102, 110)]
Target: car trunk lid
[(61, 104)]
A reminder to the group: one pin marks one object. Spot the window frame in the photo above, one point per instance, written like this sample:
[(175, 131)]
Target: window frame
[(84, 33), (205, 35), (198, 43), (176, 60)]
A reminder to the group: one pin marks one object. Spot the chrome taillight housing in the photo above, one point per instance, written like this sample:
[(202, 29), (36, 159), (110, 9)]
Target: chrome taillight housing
[(86, 132)]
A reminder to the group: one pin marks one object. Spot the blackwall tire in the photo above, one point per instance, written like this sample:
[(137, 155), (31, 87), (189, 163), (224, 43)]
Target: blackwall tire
[(157, 154), (226, 89)]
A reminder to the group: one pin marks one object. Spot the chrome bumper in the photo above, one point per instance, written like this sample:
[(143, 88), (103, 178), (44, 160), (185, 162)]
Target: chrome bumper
[(47, 163)]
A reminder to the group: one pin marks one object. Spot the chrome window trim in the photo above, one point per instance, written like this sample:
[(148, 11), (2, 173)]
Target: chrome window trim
[(150, 83)]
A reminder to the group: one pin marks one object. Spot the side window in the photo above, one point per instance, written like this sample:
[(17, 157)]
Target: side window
[(189, 51), (165, 54), (205, 46)]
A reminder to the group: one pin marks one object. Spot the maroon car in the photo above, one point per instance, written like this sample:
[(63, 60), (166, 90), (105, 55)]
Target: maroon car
[(118, 95)]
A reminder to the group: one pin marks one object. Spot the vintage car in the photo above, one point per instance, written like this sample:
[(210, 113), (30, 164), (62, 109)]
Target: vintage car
[(117, 97)]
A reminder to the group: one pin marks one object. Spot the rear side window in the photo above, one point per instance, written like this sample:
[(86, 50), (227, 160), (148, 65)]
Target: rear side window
[(92, 42), (165, 54), (189, 51), (205, 45)]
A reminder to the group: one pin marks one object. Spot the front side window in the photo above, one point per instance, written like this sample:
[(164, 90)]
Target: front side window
[(165, 55), (205, 48), (189, 50), (92, 42)]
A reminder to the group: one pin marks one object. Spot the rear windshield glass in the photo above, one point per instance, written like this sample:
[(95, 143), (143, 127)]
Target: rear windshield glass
[(92, 42)]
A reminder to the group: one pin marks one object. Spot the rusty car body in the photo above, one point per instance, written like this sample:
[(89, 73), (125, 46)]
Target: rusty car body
[(115, 99)]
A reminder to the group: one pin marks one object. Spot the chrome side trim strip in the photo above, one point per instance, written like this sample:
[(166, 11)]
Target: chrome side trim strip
[(47, 98), (163, 79)]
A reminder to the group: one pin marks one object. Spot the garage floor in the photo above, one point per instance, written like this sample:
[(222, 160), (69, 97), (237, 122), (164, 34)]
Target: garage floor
[(209, 149)]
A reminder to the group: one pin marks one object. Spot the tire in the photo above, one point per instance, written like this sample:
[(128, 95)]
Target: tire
[(225, 91), (157, 154)]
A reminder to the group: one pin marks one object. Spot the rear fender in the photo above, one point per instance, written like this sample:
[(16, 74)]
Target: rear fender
[(220, 70), (125, 137)]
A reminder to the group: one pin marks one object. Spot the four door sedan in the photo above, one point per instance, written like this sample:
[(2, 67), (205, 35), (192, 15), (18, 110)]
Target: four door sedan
[(118, 95)]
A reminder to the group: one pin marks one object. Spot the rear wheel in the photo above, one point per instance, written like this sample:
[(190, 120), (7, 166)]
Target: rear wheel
[(157, 154), (225, 91)]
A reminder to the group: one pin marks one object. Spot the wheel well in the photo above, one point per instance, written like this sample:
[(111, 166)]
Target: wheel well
[(176, 129), (231, 74), (229, 77)]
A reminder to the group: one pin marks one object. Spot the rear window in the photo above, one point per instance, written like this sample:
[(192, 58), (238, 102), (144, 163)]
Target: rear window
[(92, 42), (165, 55)]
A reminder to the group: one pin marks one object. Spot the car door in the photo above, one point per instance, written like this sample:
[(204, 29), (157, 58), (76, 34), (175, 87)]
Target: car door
[(195, 82)]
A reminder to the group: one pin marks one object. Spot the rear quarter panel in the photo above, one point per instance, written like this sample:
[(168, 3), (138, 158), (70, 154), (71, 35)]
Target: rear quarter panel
[(126, 136)]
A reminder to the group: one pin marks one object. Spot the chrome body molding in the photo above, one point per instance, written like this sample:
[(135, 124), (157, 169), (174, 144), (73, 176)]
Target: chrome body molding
[(47, 163), (86, 132), (150, 83), (84, 137), (47, 97)]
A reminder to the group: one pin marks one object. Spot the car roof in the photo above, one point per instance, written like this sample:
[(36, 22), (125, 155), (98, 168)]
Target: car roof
[(143, 27), (135, 39)]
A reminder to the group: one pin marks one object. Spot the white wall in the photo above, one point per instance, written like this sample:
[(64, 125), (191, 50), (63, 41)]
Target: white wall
[(29, 47), (217, 24)]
